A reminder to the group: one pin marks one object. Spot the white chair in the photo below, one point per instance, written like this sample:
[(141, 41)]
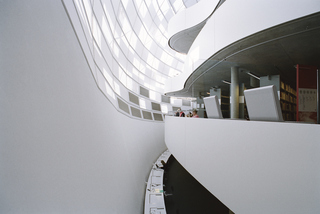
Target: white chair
[(263, 104), (213, 107)]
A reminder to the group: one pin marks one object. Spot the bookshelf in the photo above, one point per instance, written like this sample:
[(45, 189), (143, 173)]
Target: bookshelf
[(288, 100), (287, 94), (225, 106)]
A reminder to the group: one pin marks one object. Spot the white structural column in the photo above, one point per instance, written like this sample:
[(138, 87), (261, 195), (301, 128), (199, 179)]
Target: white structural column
[(234, 93)]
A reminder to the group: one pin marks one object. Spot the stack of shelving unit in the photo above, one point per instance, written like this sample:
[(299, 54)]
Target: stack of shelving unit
[(288, 101), (225, 106)]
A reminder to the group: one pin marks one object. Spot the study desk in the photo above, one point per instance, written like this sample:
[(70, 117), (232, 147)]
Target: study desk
[(154, 198)]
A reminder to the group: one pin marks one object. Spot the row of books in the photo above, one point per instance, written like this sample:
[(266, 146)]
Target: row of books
[(287, 88), (287, 97), (289, 116), (288, 107)]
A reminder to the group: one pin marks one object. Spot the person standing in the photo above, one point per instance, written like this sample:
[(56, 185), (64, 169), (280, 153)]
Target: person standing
[(179, 113), (195, 113)]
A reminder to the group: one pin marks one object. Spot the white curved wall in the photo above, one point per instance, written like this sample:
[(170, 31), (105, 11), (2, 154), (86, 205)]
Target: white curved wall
[(252, 167), (63, 147), (235, 20), (191, 16)]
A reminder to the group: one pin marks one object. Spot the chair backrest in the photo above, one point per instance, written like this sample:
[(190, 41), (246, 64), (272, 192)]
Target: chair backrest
[(213, 107), (263, 104)]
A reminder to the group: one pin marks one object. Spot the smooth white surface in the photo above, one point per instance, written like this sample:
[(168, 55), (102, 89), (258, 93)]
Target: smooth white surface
[(263, 104), (252, 167), (235, 20), (191, 16), (63, 147), (213, 107)]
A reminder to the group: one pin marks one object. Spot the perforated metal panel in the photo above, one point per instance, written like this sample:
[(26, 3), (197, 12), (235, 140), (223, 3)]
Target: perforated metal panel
[(144, 92), (133, 98), (135, 112), (186, 103), (165, 99), (175, 108), (147, 115), (123, 106), (157, 117), (156, 106)]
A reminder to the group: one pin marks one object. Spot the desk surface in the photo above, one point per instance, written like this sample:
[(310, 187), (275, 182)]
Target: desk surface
[(154, 201)]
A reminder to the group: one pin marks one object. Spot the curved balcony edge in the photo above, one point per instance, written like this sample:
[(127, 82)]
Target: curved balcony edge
[(272, 167), (252, 17), (184, 27)]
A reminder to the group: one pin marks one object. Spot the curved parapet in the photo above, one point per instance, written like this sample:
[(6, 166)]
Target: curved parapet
[(264, 167), (234, 21), (184, 27)]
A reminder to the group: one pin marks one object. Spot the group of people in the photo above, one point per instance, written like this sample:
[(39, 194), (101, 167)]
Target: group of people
[(194, 113)]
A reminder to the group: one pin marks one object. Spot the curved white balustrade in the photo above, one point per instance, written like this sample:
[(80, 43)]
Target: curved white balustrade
[(234, 21), (184, 27), (252, 167), (191, 16)]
